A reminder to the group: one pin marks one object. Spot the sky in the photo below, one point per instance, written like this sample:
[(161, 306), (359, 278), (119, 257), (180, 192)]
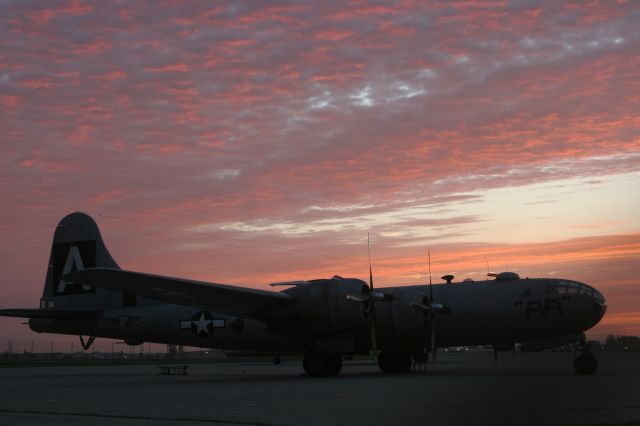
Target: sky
[(252, 142)]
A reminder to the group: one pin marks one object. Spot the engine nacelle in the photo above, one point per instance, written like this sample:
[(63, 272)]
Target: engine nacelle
[(409, 322), (322, 305)]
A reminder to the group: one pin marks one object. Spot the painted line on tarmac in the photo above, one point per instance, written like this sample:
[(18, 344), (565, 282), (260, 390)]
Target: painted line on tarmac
[(130, 417)]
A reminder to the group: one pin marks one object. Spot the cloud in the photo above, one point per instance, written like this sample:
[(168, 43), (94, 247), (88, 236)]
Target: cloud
[(311, 121)]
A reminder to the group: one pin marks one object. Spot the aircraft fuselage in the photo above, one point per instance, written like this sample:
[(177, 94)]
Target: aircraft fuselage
[(493, 312)]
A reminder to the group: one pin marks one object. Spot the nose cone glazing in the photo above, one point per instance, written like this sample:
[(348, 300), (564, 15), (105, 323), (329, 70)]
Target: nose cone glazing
[(599, 305)]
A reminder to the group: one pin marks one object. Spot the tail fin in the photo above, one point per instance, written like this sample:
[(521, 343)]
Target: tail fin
[(77, 244)]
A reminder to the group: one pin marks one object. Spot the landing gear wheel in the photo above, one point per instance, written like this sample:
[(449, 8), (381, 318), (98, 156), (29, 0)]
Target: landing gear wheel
[(393, 363), (420, 357), (585, 364), (322, 365)]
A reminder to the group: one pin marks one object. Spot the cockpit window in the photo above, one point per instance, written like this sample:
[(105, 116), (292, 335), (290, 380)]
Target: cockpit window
[(562, 287), (551, 289), (573, 287), (586, 290)]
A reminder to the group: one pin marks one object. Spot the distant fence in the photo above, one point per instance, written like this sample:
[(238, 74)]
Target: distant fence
[(101, 348)]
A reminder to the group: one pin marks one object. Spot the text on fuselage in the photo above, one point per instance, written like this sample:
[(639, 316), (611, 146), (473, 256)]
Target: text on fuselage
[(544, 308)]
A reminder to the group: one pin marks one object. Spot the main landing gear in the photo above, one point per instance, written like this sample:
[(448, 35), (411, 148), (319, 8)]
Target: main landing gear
[(327, 365), (585, 363), (394, 363), (322, 365)]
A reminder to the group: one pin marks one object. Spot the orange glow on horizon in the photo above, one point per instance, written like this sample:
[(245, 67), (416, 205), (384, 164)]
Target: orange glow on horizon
[(256, 142)]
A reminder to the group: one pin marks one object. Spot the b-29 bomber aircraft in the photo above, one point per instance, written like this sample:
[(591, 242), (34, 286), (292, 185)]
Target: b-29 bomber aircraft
[(87, 294)]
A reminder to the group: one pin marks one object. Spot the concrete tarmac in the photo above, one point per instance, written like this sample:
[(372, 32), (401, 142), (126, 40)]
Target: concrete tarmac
[(463, 389)]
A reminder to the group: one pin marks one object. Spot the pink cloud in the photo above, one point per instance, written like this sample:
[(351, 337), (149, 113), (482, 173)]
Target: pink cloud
[(263, 114), (11, 101), (92, 48), (104, 197), (72, 7), (332, 35), (170, 68)]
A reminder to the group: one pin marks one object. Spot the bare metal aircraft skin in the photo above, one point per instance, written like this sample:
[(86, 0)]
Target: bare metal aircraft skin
[(87, 294)]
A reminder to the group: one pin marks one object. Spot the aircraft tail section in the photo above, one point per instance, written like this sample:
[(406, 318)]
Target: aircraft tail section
[(77, 245)]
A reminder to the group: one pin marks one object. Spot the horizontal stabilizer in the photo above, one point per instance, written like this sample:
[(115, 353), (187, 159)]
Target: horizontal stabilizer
[(49, 313), (226, 299)]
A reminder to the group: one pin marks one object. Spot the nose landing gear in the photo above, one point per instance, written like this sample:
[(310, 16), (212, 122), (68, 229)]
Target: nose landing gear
[(585, 363)]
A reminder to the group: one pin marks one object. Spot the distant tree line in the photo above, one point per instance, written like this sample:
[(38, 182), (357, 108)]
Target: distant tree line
[(622, 343)]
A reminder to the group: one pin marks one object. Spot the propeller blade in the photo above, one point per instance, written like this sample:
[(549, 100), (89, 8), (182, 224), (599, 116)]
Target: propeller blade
[(362, 298), (373, 329), (433, 338), (430, 283), (424, 308), (368, 297), (382, 297), (432, 309), (370, 270)]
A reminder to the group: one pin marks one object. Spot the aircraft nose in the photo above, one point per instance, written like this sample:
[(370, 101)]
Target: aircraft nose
[(599, 305)]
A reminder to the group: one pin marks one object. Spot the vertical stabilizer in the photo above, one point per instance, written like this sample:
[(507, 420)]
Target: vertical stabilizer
[(77, 244)]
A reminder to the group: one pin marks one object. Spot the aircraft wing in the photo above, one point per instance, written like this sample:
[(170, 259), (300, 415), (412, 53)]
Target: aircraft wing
[(49, 313), (226, 299)]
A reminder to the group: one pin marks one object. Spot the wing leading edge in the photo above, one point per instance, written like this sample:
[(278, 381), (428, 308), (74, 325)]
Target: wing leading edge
[(226, 299), (49, 313)]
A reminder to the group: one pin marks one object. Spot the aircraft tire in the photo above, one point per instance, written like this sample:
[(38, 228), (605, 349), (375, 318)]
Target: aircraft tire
[(394, 363), (322, 365), (585, 364), (334, 365)]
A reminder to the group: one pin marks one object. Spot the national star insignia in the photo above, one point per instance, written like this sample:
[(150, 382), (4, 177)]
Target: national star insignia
[(202, 324)]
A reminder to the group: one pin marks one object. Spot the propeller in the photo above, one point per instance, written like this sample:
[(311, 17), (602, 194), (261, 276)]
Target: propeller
[(429, 310), (432, 322), (372, 306), (367, 298)]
